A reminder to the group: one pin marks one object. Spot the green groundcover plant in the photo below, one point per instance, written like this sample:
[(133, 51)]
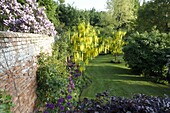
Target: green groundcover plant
[(5, 102)]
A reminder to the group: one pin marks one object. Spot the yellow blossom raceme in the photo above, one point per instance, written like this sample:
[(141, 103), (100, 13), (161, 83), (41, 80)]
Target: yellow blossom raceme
[(85, 44)]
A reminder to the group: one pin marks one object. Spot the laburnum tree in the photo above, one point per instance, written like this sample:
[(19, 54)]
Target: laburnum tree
[(117, 43), (25, 18)]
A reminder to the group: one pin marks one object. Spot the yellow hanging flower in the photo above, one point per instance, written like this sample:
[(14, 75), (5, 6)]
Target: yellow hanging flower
[(81, 68), (81, 47)]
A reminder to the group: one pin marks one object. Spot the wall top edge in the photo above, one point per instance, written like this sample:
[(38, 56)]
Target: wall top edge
[(10, 34)]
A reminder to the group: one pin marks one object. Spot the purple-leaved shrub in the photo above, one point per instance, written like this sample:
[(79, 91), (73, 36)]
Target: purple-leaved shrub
[(103, 103), (28, 18)]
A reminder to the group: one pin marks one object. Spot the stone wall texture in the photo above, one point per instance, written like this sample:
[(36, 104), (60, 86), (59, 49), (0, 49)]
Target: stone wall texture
[(18, 65)]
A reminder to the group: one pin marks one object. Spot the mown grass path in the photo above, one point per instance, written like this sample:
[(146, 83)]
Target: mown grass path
[(118, 80)]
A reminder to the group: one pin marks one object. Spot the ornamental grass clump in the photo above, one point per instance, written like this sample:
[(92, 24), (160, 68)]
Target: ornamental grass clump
[(27, 18)]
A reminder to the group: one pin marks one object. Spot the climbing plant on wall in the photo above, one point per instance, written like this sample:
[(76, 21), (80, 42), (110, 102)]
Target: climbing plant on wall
[(24, 18)]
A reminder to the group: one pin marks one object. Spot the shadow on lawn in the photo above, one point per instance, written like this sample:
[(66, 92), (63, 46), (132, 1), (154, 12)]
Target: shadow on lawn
[(119, 79), (115, 72), (110, 69), (130, 89)]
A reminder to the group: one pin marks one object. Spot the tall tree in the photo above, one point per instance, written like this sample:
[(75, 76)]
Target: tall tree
[(154, 13), (122, 12), (68, 16), (95, 17), (51, 7)]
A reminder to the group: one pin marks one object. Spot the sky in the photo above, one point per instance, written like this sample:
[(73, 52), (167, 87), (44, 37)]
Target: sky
[(99, 5)]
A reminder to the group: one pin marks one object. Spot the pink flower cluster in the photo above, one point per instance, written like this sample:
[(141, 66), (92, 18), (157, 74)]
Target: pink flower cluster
[(28, 18)]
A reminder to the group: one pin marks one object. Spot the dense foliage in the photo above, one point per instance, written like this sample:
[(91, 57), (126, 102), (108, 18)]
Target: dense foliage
[(50, 10), (60, 80), (84, 45), (24, 18), (71, 17), (103, 103), (60, 76), (154, 13), (122, 12), (5, 102), (139, 103), (146, 52), (95, 17), (52, 76), (68, 16)]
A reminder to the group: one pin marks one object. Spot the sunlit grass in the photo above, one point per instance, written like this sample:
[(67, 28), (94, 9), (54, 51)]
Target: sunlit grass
[(118, 80)]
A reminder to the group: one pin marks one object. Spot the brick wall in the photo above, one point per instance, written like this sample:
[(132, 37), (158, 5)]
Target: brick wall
[(18, 66)]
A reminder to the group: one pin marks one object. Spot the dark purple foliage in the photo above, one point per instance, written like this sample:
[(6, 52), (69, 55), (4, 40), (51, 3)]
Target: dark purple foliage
[(140, 103)]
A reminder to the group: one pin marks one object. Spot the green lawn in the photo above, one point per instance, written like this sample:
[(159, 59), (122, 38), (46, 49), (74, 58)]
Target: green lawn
[(118, 79)]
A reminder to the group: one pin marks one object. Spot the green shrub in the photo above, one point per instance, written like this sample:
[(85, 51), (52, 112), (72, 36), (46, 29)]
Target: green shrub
[(5, 102), (146, 53), (60, 82), (52, 75)]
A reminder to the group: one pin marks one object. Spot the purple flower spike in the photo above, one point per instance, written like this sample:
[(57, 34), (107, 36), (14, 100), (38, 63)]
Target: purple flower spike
[(72, 86), (77, 74), (69, 97), (47, 105), (68, 103), (69, 90), (58, 104), (77, 70), (71, 82), (61, 100), (62, 108), (70, 79), (51, 106), (68, 85), (45, 111)]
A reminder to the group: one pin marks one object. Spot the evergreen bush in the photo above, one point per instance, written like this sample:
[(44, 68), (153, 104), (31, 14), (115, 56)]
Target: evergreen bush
[(146, 53)]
